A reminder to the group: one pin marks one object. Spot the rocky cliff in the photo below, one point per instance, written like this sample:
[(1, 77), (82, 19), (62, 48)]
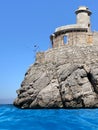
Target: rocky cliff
[(63, 77)]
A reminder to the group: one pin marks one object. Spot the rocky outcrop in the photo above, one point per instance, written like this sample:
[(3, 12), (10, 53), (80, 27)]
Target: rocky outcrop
[(67, 77)]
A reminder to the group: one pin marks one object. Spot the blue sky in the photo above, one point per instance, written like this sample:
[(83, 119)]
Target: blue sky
[(24, 23)]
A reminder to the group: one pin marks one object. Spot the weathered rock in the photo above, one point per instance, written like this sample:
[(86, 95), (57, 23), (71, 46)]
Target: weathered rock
[(94, 77), (65, 76), (48, 96), (76, 89), (61, 84)]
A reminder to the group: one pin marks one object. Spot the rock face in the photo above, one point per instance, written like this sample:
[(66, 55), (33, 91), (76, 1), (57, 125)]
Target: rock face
[(64, 77)]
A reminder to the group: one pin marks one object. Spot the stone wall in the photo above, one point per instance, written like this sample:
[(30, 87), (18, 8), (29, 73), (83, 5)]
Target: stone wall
[(95, 38), (69, 52), (40, 57), (74, 38), (85, 41), (77, 37), (58, 41)]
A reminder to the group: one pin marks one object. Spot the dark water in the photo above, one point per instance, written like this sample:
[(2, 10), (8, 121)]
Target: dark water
[(12, 118)]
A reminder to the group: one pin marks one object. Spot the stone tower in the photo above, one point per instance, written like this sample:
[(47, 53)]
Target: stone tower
[(74, 35), (79, 33), (83, 16)]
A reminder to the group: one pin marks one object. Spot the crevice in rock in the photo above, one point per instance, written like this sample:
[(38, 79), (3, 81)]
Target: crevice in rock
[(63, 103), (79, 100), (90, 78), (83, 104), (59, 87)]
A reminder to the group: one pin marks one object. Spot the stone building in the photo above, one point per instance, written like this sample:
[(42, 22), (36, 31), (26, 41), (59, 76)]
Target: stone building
[(76, 33)]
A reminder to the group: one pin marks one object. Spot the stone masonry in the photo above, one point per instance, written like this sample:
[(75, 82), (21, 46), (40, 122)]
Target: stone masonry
[(78, 34)]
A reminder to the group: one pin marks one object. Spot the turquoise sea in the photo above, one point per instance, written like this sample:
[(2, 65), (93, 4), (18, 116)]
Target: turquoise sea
[(12, 118)]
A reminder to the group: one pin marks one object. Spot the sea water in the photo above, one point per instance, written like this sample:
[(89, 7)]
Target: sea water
[(12, 118)]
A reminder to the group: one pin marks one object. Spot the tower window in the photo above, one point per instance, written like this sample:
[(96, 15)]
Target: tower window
[(89, 25), (65, 39)]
